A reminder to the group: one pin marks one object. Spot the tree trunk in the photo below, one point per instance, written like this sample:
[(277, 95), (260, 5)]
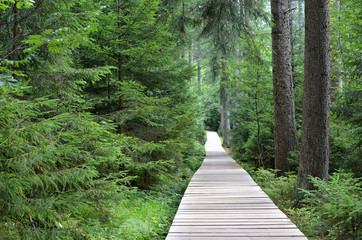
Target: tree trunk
[(241, 11), (336, 82), (199, 66), (120, 57), (316, 98), (258, 121), (191, 58), (14, 50), (300, 10), (228, 123), (285, 131), (224, 97), (247, 5), (109, 88), (182, 33), (301, 25), (15, 32), (292, 34)]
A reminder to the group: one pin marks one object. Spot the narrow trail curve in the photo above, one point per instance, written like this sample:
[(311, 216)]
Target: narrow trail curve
[(223, 202)]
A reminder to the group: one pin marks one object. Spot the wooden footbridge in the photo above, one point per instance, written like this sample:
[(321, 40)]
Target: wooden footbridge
[(222, 202)]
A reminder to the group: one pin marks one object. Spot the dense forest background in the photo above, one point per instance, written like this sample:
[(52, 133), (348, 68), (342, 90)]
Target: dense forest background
[(103, 107)]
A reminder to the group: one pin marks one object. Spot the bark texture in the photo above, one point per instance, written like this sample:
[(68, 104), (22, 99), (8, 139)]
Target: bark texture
[(285, 132), (120, 57), (199, 66), (300, 11), (316, 99), (225, 121), (293, 35), (191, 58), (336, 63), (15, 32)]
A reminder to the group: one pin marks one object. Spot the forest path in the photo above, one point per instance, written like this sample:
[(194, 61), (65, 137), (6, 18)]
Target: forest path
[(223, 202)]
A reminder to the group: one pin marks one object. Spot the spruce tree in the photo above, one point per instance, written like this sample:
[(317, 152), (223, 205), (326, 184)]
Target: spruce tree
[(285, 130), (316, 97)]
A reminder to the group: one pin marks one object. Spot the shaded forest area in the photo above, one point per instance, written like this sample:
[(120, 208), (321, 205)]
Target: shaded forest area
[(103, 107)]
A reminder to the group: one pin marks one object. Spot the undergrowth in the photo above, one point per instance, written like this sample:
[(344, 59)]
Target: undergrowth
[(71, 176), (141, 215), (137, 215), (332, 211)]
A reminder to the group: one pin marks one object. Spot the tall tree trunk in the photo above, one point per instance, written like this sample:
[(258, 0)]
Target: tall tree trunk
[(247, 5), (336, 82), (292, 23), (224, 97), (292, 33), (109, 88), (241, 11), (15, 32), (258, 122), (228, 123), (191, 58), (182, 33), (300, 11), (199, 66), (120, 57), (316, 98), (301, 25), (285, 131), (15, 56), (120, 63)]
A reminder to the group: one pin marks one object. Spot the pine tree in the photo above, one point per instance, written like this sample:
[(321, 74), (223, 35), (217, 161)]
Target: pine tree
[(285, 131), (316, 97)]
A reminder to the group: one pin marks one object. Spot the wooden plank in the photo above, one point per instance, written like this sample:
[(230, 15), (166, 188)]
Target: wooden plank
[(237, 213), (223, 202), (236, 224), (239, 220), (246, 226), (241, 234), (172, 237), (227, 216), (236, 200), (227, 206), (257, 211), (241, 228), (236, 230)]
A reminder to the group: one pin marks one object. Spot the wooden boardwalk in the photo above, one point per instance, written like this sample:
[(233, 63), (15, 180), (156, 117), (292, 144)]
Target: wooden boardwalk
[(222, 202)]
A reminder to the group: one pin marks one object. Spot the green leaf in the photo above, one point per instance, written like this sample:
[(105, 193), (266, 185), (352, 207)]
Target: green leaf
[(19, 4)]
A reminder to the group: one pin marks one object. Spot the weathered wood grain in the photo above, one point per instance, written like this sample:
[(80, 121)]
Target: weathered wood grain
[(222, 202)]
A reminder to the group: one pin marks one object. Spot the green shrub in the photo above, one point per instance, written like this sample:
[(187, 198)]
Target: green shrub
[(331, 211), (56, 171), (337, 205), (162, 133), (140, 215), (279, 189)]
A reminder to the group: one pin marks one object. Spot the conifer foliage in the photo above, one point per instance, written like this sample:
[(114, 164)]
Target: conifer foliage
[(100, 109), (68, 149), (54, 170)]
